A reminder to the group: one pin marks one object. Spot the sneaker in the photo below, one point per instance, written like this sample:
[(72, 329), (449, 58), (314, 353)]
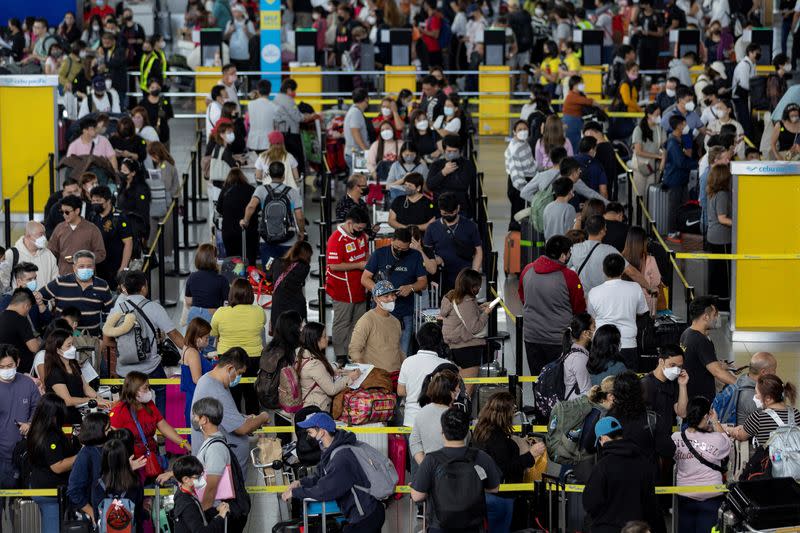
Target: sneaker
[(674, 237)]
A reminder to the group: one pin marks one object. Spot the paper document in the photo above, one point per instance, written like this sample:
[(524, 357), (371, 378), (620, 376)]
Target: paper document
[(365, 370)]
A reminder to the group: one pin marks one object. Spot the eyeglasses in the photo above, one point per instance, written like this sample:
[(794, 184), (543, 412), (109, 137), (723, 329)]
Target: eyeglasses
[(66, 212)]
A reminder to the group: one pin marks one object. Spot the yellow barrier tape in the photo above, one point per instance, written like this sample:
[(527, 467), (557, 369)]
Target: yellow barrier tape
[(161, 381), (748, 142), (738, 257), (399, 489)]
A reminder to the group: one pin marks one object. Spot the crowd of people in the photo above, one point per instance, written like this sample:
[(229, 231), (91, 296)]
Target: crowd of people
[(76, 305)]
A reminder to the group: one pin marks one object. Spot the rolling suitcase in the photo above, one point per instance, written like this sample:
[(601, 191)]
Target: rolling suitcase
[(398, 452), (766, 503), (658, 205), (511, 254), (25, 516)]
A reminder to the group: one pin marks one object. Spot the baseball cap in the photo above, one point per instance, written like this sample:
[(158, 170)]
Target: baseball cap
[(320, 421), (604, 426), (720, 68), (275, 137), (99, 83), (383, 288)]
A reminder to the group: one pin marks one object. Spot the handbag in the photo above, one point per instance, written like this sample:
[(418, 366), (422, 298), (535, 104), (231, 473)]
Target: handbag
[(155, 464), (482, 334)]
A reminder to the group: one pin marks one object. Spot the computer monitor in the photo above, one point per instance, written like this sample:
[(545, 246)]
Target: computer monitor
[(688, 41), (400, 47), (591, 47), (494, 47), (305, 45), (210, 46), (763, 38)]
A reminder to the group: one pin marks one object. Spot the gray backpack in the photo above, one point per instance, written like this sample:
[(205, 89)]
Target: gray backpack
[(160, 198), (276, 221), (135, 346), (380, 472), (784, 446)]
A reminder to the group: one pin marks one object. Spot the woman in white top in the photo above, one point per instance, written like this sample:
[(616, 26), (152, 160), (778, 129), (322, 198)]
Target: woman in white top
[(575, 343), (385, 148), (723, 110), (450, 123), (141, 122), (648, 154), (277, 152), (408, 163)]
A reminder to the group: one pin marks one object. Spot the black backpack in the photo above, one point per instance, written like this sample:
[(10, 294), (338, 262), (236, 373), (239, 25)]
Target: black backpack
[(269, 375), (240, 504), (458, 493), (90, 102), (276, 221), (20, 459)]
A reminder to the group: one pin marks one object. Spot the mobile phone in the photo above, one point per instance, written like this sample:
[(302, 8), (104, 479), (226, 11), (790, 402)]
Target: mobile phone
[(494, 302)]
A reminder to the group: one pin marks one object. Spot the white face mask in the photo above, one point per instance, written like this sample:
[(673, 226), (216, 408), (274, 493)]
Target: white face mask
[(686, 130), (230, 137), (720, 112), (670, 93), (672, 373), (422, 125), (40, 242), (522, 135), (538, 12), (581, 87), (70, 353), (386, 112), (689, 107), (8, 374), (387, 135), (199, 483), (144, 397), (108, 85), (387, 306), (758, 402), (787, 67)]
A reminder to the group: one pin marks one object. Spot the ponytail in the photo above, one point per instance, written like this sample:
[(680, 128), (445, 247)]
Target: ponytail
[(770, 385), (579, 323), (789, 393)]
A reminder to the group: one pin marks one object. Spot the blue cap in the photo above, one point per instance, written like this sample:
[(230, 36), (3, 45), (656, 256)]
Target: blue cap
[(383, 288), (472, 8), (604, 426), (319, 420)]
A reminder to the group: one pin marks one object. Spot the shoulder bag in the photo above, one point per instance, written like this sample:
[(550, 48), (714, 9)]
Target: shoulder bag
[(482, 334)]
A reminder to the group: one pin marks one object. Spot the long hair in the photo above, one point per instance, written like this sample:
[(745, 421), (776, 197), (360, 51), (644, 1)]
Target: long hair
[(496, 416), (310, 336), (133, 382), (197, 328), (635, 251), (300, 252), (605, 348), (276, 152), (553, 134), (381, 142), (579, 323), (235, 177), (719, 179), (468, 283), (46, 424), (644, 125), (115, 470), (628, 397), (52, 359), (157, 150), (774, 387), (595, 206), (286, 333)]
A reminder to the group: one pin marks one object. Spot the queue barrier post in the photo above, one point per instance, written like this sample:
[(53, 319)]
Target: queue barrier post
[(7, 221), (688, 295), (514, 384), (162, 275), (187, 244), (491, 289), (176, 269), (639, 210), (51, 169), (30, 196), (519, 344), (630, 197), (321, 299)]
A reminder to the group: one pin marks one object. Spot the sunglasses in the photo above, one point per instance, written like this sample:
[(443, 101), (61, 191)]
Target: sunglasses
[(66, 212)]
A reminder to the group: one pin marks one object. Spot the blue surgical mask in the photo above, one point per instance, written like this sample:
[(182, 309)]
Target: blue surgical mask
[(85, 274), (235, 381), (448, 111), (31, 285), (451, 156)]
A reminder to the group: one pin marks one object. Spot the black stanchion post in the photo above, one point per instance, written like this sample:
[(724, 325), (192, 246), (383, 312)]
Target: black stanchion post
[(7, 221), (321, 299), (30, 197), (631, 199), (196, 171), (688, 296), (513, 383), (187, 244), (51, 168), (491, 290), (148, 271), (162, 275), (176, 271), (519, 345), (638, 211)]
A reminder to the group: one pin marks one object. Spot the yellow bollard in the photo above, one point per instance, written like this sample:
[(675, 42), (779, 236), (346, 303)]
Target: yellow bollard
[(309, 80), (399, 78), (494, 104), (203, 85), (593, 79)]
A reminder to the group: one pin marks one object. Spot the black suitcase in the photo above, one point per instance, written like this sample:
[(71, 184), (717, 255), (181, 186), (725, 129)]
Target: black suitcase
[(766, 503)]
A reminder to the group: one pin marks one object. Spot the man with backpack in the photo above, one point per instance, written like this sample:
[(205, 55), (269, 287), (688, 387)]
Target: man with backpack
[(761, 364), (281, 222), (101, 100), (354, 474), (138, 349), (454, 480)]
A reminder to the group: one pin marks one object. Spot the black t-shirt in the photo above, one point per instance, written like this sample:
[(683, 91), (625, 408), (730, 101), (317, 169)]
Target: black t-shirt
[(650, 22), (616, 233), (698, 352), (114, 228), (158, 115), (208, 290), (413, 213), (74, 383), (56, 448), (661, 397), (16, 330)]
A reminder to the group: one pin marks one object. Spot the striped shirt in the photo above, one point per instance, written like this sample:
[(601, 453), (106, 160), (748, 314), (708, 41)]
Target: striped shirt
[(519, 163), (760, 425), (93, 302)]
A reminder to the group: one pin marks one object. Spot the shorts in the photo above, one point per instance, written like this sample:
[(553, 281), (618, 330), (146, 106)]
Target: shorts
[(469, 356), (519, 60)]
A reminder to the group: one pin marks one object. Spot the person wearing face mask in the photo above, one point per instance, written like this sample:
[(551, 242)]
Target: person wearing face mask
[(403, 267), (383, 153), (777, 81), (236, 428), (423, 136), (701, 357), (73, 234), (31, 248), (389, 112), (188, 512), (786, 135), (574, 104), (679, 164), (575, 344), (761, 364), (24, 275), (62, 375), (338, 474), (452, 121), (745, 70), (666, 98), (686, 108), (137, 412), (232, 114), (648, 148), (453, 173), (412, 208), (238, 32), (701, 452), (376, 335), (117, 235), (102, 99), (356, 132), (356, 191), (773, 400), (111, 56), (132, 36), (127, 143), (408, 163), (133, 198), (665, 387)]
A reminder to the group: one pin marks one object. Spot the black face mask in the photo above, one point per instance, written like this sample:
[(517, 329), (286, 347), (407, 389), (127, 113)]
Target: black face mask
[(340, 19), (364, 191), (155, 92), (449, 218), (97, 208), (399, 253), (358, 232)]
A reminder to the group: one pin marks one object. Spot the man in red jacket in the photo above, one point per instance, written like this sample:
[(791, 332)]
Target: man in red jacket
[(551, 294), (348, 252)]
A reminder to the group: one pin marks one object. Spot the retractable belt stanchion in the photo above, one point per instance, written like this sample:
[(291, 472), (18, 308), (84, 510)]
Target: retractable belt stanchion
[(631, 198), (491, 288), (162, 275), (7, 221), (519, 344), (176, 271), (51, 168), (197, 169), (30, 196), (187, 244)]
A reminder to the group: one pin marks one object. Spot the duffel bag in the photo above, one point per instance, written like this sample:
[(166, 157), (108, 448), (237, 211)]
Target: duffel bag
[(366, 406)]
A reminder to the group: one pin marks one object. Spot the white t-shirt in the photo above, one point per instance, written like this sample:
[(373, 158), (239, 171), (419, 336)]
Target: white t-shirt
[(87, 370), (261, 113), (618, 302), (288, 176), (413, 372)]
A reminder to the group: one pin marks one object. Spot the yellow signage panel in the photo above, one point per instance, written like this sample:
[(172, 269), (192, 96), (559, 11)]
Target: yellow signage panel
[(270, 20)]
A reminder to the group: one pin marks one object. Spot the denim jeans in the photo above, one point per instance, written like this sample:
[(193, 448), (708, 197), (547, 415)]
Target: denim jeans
[(697, 516), (48, 508), (500, 511), (271, 250), (160, 391), (405, 335)]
